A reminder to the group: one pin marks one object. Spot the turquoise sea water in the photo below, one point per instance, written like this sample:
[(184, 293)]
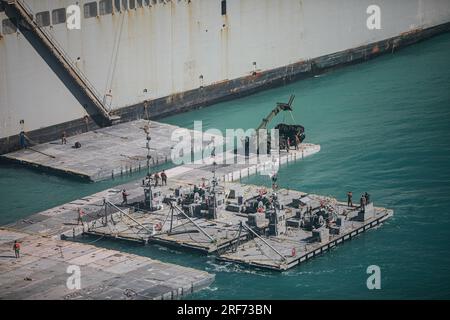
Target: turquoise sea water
[(384, 127)]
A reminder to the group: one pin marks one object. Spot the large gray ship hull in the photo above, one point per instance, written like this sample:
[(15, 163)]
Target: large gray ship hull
[(173, 56)]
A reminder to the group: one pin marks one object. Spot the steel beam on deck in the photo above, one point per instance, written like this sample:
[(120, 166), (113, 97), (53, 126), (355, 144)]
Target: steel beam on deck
[(257, 235), (128, 216), (193, 222)]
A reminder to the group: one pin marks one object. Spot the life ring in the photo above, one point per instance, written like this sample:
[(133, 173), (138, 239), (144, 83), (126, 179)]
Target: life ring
[(158, 226)]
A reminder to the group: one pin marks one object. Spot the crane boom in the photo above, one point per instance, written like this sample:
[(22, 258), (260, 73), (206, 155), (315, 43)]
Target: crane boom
[(293, 133), (280, 107)]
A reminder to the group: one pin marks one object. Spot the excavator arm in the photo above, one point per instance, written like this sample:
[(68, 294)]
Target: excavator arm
[(280, 107)]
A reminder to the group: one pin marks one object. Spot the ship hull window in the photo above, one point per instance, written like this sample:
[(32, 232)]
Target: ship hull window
[(59, 16), (43, 19), (117, 5), (132, 4), (90, 10), (224, 7), (125, 4), (105, 7)]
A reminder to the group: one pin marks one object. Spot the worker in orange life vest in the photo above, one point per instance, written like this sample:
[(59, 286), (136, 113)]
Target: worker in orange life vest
[(16, 248)]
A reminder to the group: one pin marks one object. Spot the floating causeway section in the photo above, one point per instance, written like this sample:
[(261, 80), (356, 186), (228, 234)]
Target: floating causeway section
[(42, 272), (280, 252), (298, 245), (105, 153), (256, 253)]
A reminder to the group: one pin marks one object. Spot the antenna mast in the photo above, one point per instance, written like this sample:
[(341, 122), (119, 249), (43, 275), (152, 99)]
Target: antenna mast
[(147, 182)]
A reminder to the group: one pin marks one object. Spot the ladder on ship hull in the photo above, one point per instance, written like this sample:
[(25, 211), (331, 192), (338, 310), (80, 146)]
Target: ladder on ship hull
[(80, 86)]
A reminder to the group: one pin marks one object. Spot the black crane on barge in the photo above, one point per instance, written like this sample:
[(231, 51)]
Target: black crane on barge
[(294, 132)]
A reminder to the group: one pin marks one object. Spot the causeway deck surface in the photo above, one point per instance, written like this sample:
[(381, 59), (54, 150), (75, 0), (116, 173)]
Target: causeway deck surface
[(41, 272), (224, 229), (104, 153), (296, 245), (184, 233)]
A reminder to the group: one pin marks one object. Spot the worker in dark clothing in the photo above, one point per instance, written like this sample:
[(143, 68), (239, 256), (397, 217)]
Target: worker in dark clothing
[(80, 216), (16, 248), (163, 178), (367, 196), (86, 122), (156, 177), (147, 180), (22, 140), (288, 144), (274, 181), (124, 197), (64, 138), (363, 202), (349, 199), (297, 141)]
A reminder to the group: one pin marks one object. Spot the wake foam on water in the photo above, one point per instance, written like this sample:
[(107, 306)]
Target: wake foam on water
[(230, 267)]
